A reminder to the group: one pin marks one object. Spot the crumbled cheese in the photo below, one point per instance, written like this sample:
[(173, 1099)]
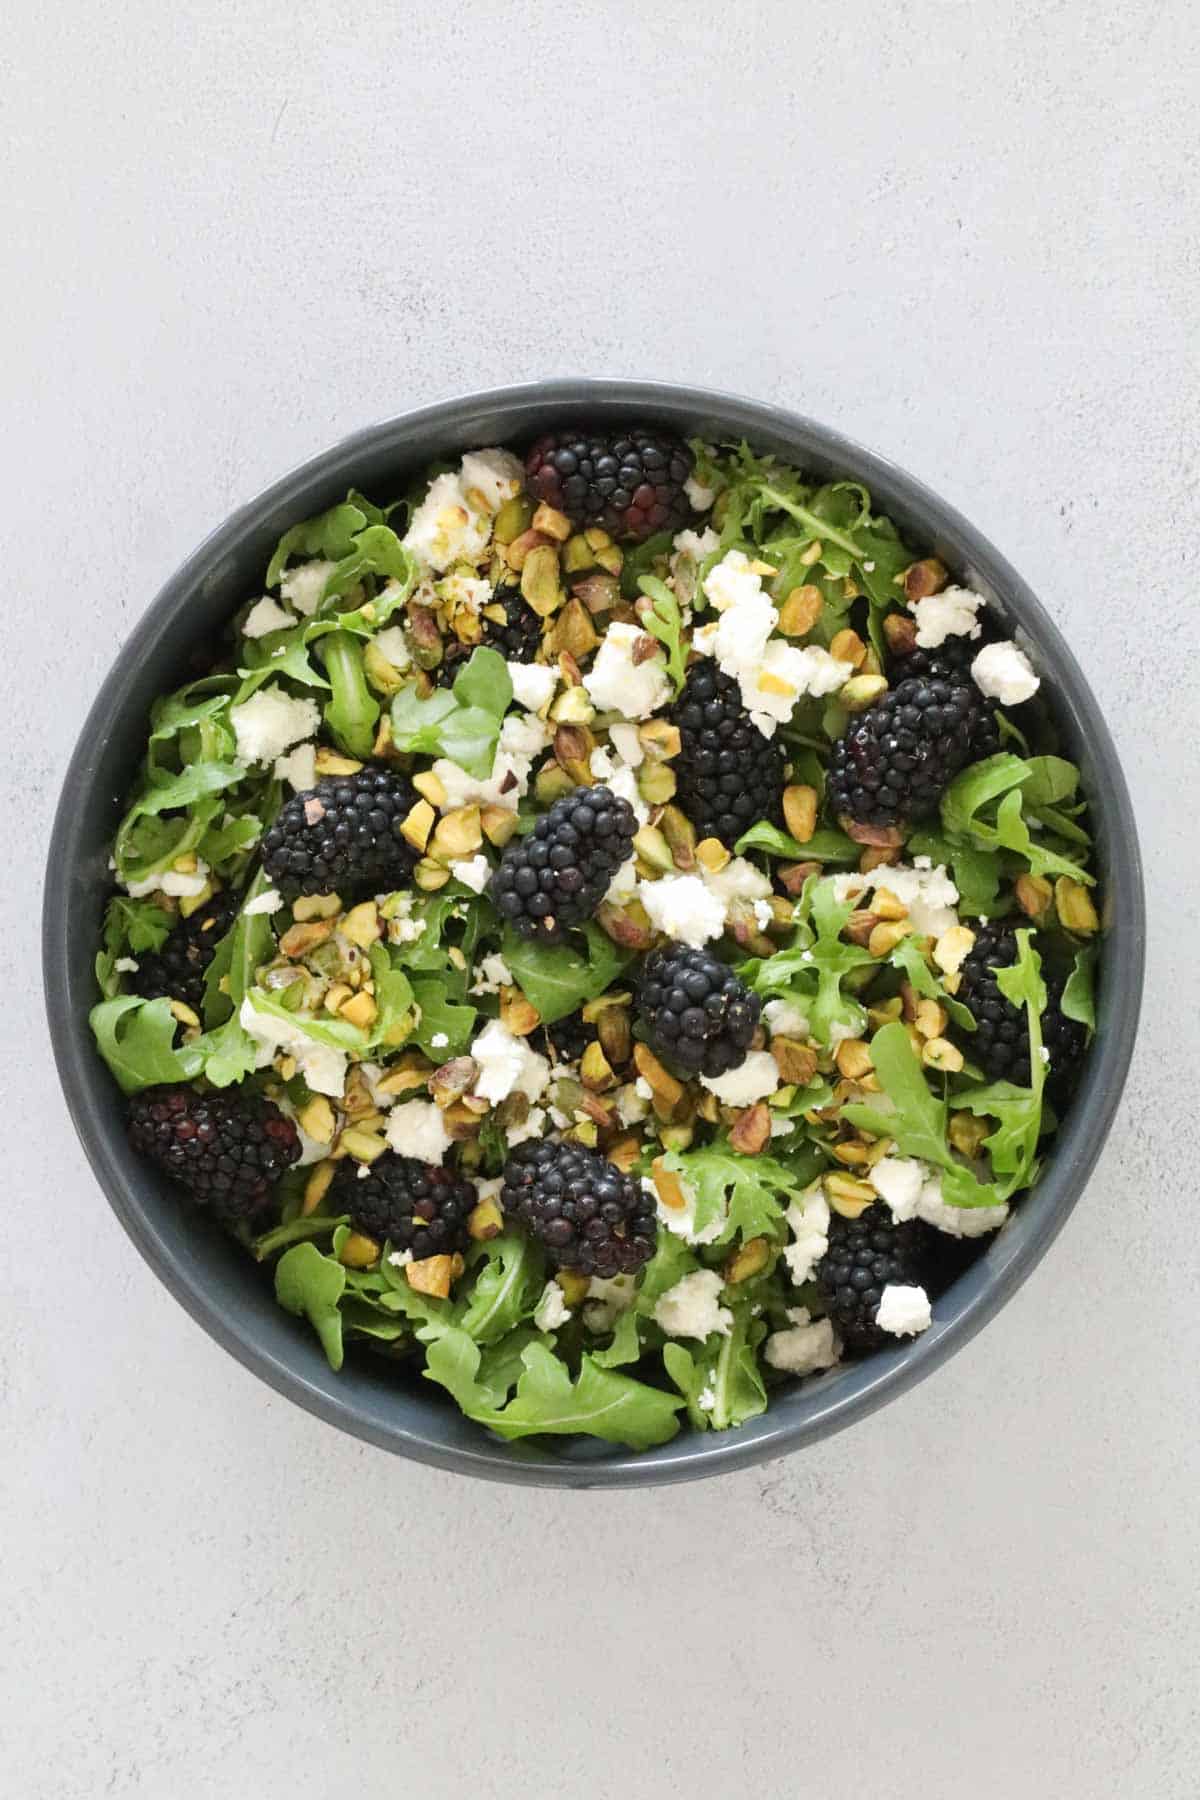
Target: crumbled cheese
[(323, 1067), (642, 1087), (929, 894), (304, 587), (783, 1019), (706, 1399), (400, 1259), (904, 1310), (128, 965), (469, 593), (623, 783), (532, 684), (474, 872), (699, 496), (898, 1181), (684, 908), (533, 1126), (764, 914), (771, 673), (507, 1065), (522, 737), (692, 1307), (417, 1128), (623, 885), (180, 884), (956, 1221), (627, 743), (491, 975), (402, 928), (631, 1108), (551, 1310), (808, 1221), (298, 768), (681, 1220), (738, 880), (265, 616), (616, 683), (438, 1041), (445, 527), (752, 1080), (1005, 673), (270, 722), (268, 902), (392, 644), (804, 1348), (692, 547), (607, 1299), (490, 477), (948, 614)]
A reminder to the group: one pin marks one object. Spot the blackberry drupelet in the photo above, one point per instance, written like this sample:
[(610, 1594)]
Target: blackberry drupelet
[(343, 836), (865, 1255), (565, 1040), (631, 483), (696, 1012), (517, 636), (1000, 1041), (894, 761), (227, 1149), (729, 775), (558, 875), (414, 1205), (585, 1212), (176, 972)]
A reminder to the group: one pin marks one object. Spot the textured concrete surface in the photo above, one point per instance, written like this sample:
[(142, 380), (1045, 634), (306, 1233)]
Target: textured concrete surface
[(960, 233)]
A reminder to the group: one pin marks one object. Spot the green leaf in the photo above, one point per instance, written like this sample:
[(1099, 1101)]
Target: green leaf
[(1078, 997), (485, 683), (722, 1370), (136, 1039), (823, 846), (375, 551), (810, 972), (463, 724), (1001, 779), (131, 927), (599, 1402), (626, 1344), (977, 873), (556, 978), (311, 1286), (330, 535), (352, 710), (506, 1277), (752, 1192), (393, 1000), (442, 1018), (665, 622), (917, 1123)]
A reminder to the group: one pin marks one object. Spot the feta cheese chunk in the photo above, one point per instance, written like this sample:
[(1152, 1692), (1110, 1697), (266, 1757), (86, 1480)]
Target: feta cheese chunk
[(507, 1065), (474, 872), (1005, 673), (304, 586), (392, 644), (181, 884), (445, 528), (929, 894), (898, 1181), (323, 1067), (805, 1347), (699, 497), (616, 683), (783, 1019), (270, 722), (904, 1310), (551, 1310), (808, 1222), (692, 1307), (752, 1080), (771, 673), (683, 907), (532, 684), (298, 768), (269, 901), (265, 616), (490, 477), (948, 614), (417, 1128)]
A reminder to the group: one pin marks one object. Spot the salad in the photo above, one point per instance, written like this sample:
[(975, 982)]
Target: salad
[(612, 936)]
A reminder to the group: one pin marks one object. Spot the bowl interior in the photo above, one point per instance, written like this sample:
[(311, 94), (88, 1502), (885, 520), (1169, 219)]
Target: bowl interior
[(216, 1282)]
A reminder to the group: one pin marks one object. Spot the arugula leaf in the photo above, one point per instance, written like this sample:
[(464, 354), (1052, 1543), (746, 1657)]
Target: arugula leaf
[(1078, 996), (330, 535), (751, 1192), (1001, 779), (977, 873), (908, 959), (311, 1286), (665, 622), (811, 970), (463, 724), (130, 927), (917, 1122), (374, 551), (441, 1017), (391, 1025), (136, 1039), (626, 1344), (352, 710), (249, 942), (1018, 1111), (509, 1275), (555, 977), (598, 1402), (823, 846), (724, 1370)]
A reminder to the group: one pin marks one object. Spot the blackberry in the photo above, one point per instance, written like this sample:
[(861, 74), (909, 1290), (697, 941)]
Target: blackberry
[(728, 774), (696, 1012), (176, 972), (343, 836), (517, 637), (565, 1040), (632, 483), (865, 1255), (414, 1205), (586, 1213), (226, 1149), (895, 760), (558, 875), (1000, 1041)]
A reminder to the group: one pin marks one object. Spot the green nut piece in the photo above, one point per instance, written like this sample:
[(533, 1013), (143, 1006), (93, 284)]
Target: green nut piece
[(513, 518), (540, 584)]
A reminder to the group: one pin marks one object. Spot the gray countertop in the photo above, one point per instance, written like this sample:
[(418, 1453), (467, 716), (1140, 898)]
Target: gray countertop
[(962, 235)]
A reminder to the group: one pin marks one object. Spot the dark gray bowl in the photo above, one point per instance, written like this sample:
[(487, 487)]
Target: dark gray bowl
[(218, 1285)]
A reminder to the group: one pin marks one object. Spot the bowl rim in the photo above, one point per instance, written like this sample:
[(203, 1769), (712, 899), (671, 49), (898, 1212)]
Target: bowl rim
[(690, 1456)]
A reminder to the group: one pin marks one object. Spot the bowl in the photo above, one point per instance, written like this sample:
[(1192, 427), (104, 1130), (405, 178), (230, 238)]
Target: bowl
[(220, 1286)]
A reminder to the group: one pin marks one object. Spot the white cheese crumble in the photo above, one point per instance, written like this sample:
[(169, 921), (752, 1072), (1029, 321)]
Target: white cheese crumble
[(808, 1222), (438, 1041), (473, 871), (948, 614), (683, 907), (490, 477), (700, 497), (616, 683), (402, 928), (179, 883), (752, 1080), (631, 1108), (471, 592), (265, 616), (692, 1307), (771, 673), (445, 527), (929, 894), (623, 885), (298, 768), (392, 644), (738, 880), (270, 901), (129, 965), (270, 722), (522, 737), (956, 1221), (627, 743), (681, 1220), (507, 1065), (491, 975), (783, 1019), (805, 1347), (532, 684), (533, 1126), (551, 1310), (898, 1181), (323, 1067), (304, 587), (904, 1310), (417, 1128), (400, 1259), (621, 780), (1004, 673), (607, 1299)]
